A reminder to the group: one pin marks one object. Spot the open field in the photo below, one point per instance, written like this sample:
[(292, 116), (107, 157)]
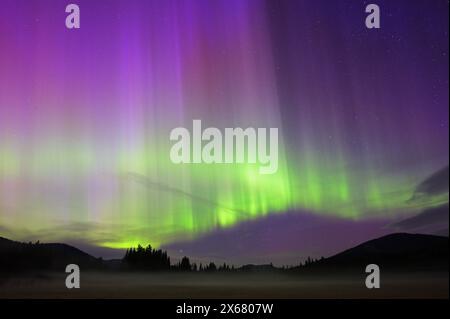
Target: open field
[(228, 285)]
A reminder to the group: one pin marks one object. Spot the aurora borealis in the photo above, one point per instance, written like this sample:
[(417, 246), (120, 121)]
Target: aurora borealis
[(85, 115)]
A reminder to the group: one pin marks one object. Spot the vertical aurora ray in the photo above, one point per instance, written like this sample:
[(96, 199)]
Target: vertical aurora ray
[(85, 114)]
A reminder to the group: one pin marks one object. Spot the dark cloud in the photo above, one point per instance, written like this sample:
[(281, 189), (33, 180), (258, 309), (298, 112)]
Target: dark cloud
[(282, 238), (436, 184), (433, 220)]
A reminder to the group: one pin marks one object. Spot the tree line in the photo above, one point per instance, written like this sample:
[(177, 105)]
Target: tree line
[(148, 258)]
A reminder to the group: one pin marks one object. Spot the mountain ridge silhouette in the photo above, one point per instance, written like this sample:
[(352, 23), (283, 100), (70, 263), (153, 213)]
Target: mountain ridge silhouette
[(394, 251), (18, 256), (397, 251)]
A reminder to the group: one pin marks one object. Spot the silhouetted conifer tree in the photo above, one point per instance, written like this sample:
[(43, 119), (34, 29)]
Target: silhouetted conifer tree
[(147, 258)]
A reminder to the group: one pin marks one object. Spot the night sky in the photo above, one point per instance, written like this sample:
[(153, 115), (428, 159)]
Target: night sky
[(85, 117)]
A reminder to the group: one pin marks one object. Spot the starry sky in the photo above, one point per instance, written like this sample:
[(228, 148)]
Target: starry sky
[(85, 117)]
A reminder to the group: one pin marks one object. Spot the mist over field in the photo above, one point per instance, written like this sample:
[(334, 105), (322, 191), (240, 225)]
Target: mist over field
[(258, 285)]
